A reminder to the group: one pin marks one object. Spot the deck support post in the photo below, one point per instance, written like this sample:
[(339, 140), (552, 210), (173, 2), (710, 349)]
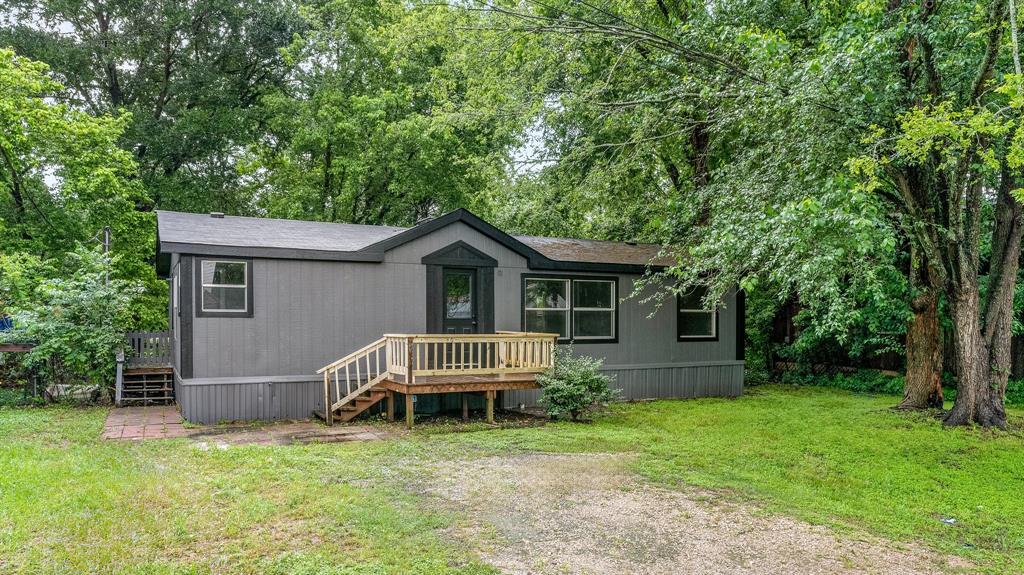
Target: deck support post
[(490, 406), (328, 412), (408, 411), (391, 406), (118, 379), (465, 407)]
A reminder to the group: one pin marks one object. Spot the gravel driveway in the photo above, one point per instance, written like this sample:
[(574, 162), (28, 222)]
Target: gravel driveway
[(585, 514)]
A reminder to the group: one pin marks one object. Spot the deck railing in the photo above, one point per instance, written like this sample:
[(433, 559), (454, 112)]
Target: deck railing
[(409, 356), (148, 349), (468, 354)]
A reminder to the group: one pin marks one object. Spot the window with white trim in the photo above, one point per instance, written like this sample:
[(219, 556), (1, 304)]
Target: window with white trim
[(225, 286), (577, 309), (693, 321)]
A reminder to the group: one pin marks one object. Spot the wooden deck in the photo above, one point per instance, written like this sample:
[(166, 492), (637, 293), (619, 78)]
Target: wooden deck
[(144, 372), (413, 364), (462, 383)]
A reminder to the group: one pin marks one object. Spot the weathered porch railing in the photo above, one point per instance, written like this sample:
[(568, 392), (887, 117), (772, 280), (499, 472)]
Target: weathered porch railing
[(411, 356), (148, 349)]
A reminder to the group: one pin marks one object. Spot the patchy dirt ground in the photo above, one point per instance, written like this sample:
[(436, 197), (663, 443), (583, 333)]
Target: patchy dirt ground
[(573, 514)]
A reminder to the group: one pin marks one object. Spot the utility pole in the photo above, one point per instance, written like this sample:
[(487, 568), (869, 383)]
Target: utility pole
[(106, 254)]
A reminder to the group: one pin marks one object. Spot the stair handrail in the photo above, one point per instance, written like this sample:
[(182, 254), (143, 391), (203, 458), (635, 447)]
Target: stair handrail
[(345, 364), (350, 356)]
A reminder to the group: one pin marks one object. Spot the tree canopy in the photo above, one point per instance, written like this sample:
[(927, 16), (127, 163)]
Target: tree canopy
[(863, 157), (65, 178)]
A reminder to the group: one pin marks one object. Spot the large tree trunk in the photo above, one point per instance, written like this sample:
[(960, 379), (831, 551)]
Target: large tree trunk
[(922, 387), (977, 400), (982, 335), (1006, 248)]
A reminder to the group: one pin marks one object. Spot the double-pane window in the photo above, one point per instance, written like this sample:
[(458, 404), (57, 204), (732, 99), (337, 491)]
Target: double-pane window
[(577, 309), (225, 286)]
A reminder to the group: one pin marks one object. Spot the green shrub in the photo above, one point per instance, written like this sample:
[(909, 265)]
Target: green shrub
[(18, 397), (871, 381), (76, 318), (863, 380), (1015, 392), (574, 385)]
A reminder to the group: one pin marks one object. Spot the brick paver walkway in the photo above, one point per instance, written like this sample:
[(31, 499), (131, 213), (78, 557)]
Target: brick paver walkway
[(165, 422), (150, 422)]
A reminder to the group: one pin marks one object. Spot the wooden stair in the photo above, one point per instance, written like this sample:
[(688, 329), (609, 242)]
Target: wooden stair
[(355, 407), (352, 380), (148, 386)]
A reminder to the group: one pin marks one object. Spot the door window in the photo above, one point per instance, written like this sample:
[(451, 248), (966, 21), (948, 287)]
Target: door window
[(458, 299)]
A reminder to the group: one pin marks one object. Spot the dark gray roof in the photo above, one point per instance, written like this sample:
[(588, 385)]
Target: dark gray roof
[(596, 251), (266, 237), (242, 232)]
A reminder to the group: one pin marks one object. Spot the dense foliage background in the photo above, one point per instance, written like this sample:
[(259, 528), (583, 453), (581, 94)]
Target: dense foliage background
[(740, 135)]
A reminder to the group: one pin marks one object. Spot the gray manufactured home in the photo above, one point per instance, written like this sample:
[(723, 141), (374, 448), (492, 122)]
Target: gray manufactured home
[(278, 319)]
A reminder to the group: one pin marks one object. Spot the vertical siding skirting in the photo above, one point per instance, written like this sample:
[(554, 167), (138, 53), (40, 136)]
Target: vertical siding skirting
[(211, 403), (684, 382), (269, 400)]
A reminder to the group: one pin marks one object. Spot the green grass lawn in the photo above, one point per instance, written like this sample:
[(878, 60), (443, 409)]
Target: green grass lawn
[(72, 503)]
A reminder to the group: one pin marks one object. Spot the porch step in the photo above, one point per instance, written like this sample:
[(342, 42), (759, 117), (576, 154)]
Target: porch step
[(350, 411), (147, 386), (354, 408)]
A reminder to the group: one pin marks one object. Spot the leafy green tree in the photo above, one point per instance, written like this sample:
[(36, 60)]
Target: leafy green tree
[(191, 74), (839, 130), (668, 126), (946, 151), (76, 319), (63, 178), (373, 123)]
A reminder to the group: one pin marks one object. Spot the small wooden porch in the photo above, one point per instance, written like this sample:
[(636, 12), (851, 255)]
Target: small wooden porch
[(145, 375), (414, 364)]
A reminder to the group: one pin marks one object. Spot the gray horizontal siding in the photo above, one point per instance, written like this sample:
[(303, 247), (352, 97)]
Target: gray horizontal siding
[(307, 314), (209, 402), (678, 382)]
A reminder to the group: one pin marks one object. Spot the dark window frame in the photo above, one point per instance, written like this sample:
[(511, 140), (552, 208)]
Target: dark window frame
[(198, 276), (571, 320), (696, 338)]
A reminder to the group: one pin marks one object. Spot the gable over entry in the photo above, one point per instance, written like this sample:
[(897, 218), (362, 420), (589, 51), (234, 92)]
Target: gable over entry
[(445, 268)]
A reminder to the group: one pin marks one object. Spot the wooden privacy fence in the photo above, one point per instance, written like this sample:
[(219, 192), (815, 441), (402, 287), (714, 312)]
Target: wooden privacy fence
[(148, 349)]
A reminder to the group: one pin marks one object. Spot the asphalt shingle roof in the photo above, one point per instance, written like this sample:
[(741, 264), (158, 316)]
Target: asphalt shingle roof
[(596, 251), (237, 231), (245, 232)]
